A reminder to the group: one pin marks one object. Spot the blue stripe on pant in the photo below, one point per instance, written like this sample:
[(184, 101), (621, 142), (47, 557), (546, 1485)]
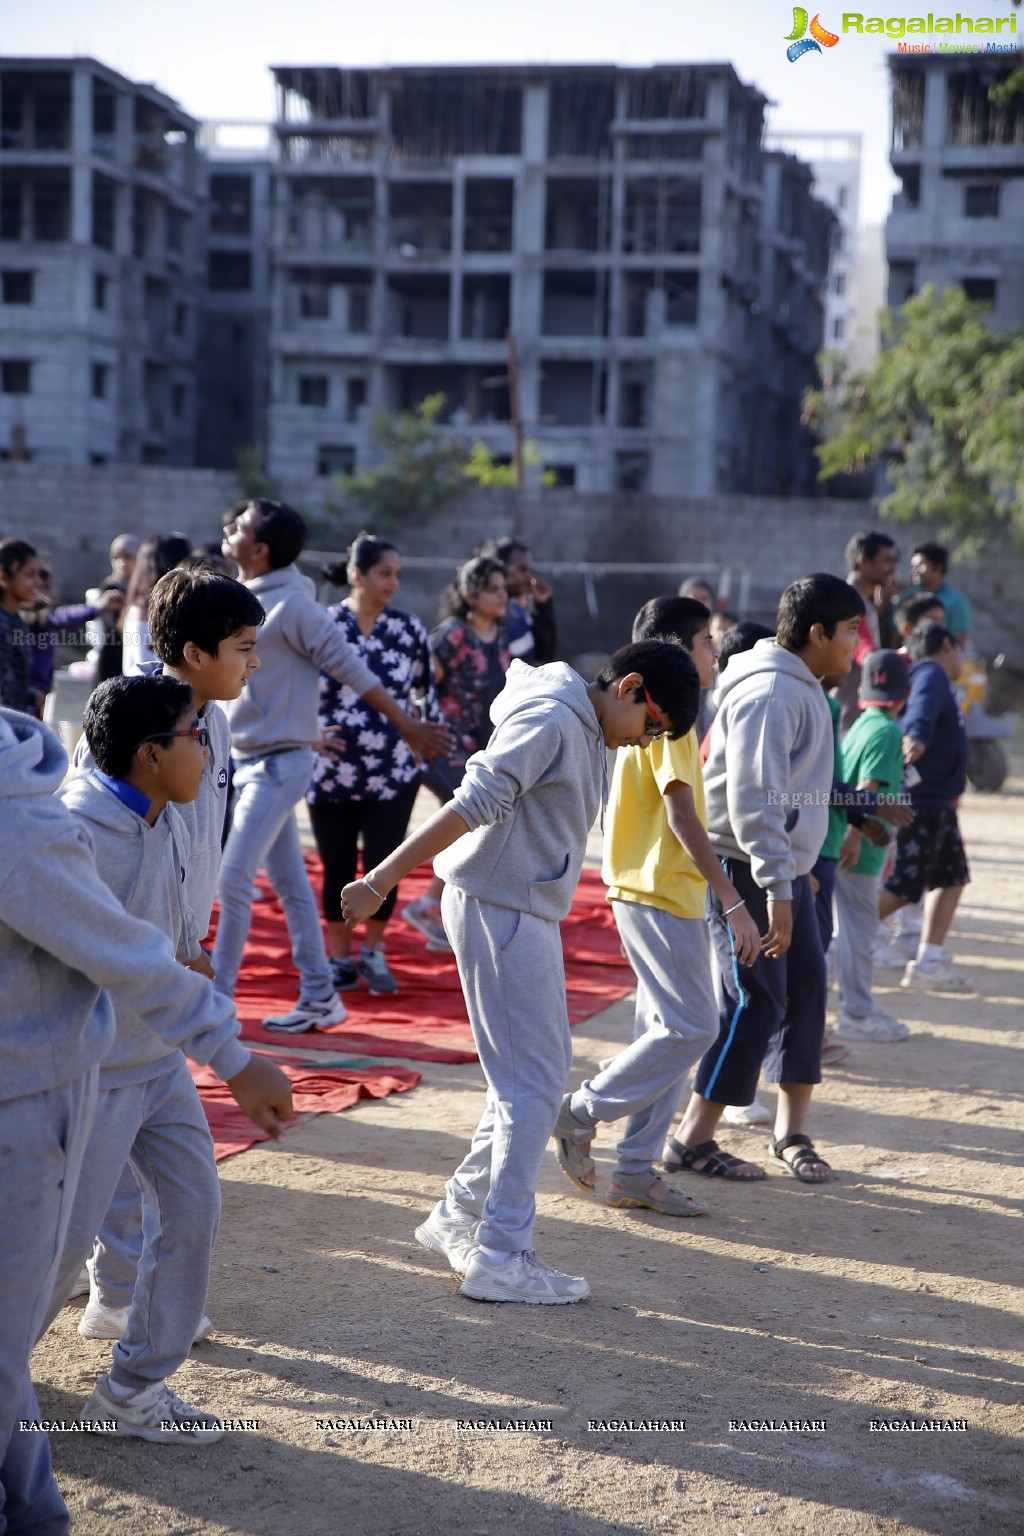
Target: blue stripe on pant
[(774, 1010)]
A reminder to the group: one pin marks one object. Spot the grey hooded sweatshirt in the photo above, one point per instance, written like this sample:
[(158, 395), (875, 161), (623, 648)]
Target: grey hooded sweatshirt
[(145, 866), (204, 817), (769, 772), (66, 941), (531, 796), (299, 640)]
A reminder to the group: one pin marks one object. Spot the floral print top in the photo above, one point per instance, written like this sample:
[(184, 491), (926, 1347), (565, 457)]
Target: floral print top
[(377, 761), (474, 675)]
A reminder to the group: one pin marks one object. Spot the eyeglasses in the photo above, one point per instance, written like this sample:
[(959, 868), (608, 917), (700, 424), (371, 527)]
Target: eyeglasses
[(654, 726), (198, 733)]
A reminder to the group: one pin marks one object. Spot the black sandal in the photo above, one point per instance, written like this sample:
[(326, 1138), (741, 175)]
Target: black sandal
[(718, 1164), (802, 1159)]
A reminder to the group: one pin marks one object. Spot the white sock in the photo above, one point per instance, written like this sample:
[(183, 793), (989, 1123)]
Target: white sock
[(928, 954), (121, 1394), (493, 1255)]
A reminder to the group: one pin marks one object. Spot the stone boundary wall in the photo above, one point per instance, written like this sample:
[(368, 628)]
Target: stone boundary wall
[(72, 514)]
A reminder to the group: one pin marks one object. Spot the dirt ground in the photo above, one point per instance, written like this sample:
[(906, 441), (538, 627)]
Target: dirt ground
[(892, 1293)]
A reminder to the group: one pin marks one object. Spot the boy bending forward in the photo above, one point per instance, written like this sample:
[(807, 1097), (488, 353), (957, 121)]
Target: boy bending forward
[(527, 803)]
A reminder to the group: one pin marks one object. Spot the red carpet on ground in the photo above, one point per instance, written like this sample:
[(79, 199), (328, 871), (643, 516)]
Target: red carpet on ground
[(316, 1090), (426, 1020)]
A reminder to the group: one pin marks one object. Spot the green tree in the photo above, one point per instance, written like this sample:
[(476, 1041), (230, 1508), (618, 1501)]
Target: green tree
[(484, 469), (943, 408), (421, 469)]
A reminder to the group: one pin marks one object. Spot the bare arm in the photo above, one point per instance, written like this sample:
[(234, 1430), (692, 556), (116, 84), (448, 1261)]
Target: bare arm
[(686, 825), (359, 902)]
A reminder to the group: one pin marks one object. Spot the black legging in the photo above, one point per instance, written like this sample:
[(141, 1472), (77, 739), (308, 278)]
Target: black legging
[(336, 828)]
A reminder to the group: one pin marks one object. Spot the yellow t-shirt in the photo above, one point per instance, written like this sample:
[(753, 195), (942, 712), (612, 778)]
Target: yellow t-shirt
[(644, 861)]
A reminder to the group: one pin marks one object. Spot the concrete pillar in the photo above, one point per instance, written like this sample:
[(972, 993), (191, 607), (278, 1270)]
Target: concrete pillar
[(458, 242), (81, 152)]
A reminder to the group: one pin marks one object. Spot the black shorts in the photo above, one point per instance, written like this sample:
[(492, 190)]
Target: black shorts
[(929, 854)]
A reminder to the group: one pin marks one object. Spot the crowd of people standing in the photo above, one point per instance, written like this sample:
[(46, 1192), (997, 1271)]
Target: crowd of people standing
[(239, 695)]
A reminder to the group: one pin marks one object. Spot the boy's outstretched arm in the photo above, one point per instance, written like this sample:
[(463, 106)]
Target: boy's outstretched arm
[(362, 898), (686, 825)]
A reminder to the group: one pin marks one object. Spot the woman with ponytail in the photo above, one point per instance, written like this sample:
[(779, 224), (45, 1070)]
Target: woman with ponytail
[(366, 783)]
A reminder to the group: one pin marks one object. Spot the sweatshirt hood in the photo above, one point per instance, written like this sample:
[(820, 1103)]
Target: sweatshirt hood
[(88, 799), (32, 760), (765, 656), (287, 579), (554, 682)]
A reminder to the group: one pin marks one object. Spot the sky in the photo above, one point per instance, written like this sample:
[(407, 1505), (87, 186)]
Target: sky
[(213, 56)]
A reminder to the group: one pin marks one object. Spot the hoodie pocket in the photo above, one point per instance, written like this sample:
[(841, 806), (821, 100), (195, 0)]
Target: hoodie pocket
[(544, 893)]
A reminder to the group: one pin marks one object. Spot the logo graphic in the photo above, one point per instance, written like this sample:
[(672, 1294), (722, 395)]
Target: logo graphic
[(222, 778), (799, 44)]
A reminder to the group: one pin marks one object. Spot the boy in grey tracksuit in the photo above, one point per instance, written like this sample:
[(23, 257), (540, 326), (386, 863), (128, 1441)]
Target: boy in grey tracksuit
[(64, 940), (273, 727), (527, 802), (148, 1113)]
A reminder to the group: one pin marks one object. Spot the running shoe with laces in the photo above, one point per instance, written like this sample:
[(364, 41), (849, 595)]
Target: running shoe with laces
[(450, 1237), (425, 916), (936, 976), (306, 1016), (343, 974), (154, 1414), (372, 968), (876, 1026), (521, 1277), (100, 1322)]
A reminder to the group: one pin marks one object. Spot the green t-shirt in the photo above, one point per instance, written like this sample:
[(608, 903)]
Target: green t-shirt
[(873, 749), (956, 604), (836, 816)]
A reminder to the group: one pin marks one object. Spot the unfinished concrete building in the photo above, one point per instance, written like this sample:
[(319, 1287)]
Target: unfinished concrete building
[(611, 219), (235, 294), (98, 267), (959, 217)]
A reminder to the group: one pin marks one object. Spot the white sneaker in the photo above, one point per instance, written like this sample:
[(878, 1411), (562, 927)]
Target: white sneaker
[(521, 1277), (81, 1285), (936, 976), (887, 957), (100, 1322), (154, 1414), (877, 1026), (306, 1016), (754, 1113), (450, 1237)]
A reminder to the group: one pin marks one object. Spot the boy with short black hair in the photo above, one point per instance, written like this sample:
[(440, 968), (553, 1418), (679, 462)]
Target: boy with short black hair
[(768, 782), (510, 847), (273, 728), (149, 751), (871, 757), (658, 864), (913, 608), (203, 629), (930, 852)]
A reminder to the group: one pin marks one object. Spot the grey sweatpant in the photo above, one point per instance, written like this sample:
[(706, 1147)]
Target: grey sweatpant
[(513, 980), (159, 1129), (114, 1266), (43, 1138), (857, 905), (676, 1020)]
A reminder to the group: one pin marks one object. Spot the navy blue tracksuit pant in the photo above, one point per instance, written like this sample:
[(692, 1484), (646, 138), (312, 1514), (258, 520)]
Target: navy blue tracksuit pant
[(775, 1009)]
